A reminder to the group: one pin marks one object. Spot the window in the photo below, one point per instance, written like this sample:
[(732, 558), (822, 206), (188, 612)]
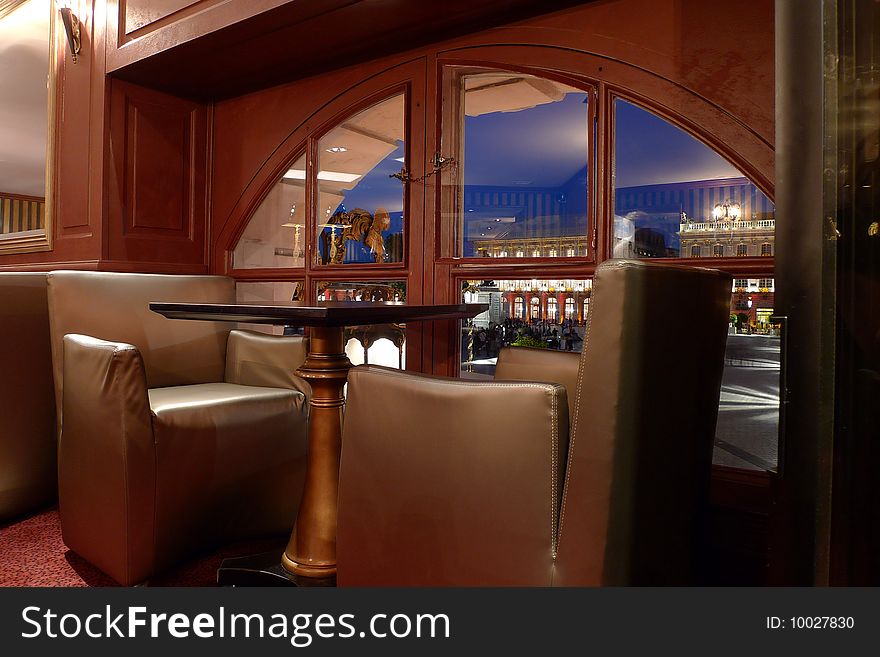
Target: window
[(670, 190), (378, 344), (521, 145), (360, 207), (484, 336), (766, 249), (765, 284), (586, 310), (741, 283), (742, 249), (718, 251), (520, 254), (275, 235), (571, 252), (552, 253)]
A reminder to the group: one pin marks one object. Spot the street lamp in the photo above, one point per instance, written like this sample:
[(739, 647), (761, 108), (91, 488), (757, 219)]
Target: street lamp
[(727, 210)]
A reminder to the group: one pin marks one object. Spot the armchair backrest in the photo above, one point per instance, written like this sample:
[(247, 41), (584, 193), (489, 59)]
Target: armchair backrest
[(115, 306), (646, 403)]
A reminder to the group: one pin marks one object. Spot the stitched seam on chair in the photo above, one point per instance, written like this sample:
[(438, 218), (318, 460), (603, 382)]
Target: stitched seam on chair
[(577, 405), (114, 362)]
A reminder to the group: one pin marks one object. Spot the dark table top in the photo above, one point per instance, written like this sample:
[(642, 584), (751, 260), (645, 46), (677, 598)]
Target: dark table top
[(331, 313)]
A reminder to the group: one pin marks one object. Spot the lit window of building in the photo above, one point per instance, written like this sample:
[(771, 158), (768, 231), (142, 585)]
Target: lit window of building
[(552, 309), (570, 253), (742, 249), (695, 252), (766, 249), (536, 308), (718, 251)]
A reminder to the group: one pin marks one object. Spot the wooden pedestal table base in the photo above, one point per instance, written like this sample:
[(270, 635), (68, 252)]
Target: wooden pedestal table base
[(311, 551), (310, 556)]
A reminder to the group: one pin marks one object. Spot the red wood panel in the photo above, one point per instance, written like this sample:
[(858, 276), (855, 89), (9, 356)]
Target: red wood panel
[(135, 14), (158, 199)]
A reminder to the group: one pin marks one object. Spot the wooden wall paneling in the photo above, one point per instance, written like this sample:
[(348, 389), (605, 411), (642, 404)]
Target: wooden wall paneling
[(158, 196)]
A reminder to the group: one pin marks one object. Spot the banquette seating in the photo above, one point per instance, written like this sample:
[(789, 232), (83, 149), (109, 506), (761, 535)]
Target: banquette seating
[(174, 435), (28, 479), (487, 483)]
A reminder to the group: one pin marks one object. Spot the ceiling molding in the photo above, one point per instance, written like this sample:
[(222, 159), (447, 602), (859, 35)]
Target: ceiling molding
[(9, 6)]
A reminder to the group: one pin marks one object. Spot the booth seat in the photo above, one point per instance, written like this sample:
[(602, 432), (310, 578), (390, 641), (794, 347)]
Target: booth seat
[(471, 483), (174, 435), (27, 397)]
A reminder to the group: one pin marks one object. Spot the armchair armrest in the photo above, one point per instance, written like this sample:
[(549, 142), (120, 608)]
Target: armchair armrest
[(106, 459), (525, 364), (445, 481), (259, 359)]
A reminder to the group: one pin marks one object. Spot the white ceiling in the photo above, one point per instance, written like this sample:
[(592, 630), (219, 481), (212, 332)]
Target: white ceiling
[(24, 69)]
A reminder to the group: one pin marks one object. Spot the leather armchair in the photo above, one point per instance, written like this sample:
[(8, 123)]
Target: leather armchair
[(27, 405), (174, 435), (447, 482)]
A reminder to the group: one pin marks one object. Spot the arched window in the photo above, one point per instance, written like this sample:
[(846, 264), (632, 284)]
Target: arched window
[(520, 253), (671, 189), (552, 309), (571, 252), (536, 308), (586, 309), (569, 308), (766, 249), (352, 188), (742, 249), (519, 311)]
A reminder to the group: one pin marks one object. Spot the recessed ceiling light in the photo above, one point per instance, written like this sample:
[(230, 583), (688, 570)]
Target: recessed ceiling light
[(337, 149)]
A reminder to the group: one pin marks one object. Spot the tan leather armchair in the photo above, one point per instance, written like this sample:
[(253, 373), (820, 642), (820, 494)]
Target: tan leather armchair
[(446, 482), (27, 397), (175, 435)]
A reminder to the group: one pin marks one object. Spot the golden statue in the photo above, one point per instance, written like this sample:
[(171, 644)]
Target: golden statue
[(358, 225)]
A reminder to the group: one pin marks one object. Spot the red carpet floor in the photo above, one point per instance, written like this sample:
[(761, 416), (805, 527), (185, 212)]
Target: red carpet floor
[(32, 554)]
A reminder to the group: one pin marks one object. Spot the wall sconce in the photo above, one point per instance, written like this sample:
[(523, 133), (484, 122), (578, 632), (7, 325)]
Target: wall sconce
[(71, 27)]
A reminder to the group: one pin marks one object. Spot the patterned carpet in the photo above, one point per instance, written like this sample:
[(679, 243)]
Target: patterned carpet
[(32, 554)]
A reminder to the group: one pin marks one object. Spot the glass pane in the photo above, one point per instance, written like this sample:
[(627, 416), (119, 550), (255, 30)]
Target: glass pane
[(746, 435), (378, 344), (360, 206), (523, 168), (674, 197), (269, 294), (275, 235), (546, 314)]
